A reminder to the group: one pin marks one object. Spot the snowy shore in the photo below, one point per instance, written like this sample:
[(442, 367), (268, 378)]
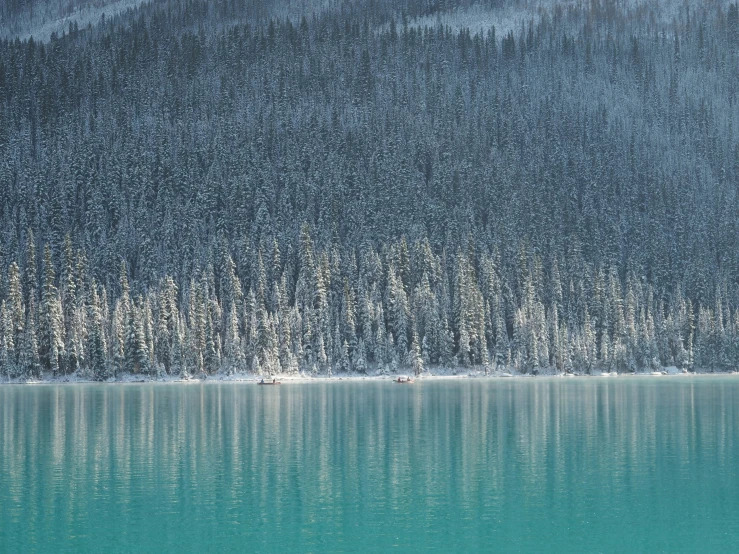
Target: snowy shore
[(437, 374)]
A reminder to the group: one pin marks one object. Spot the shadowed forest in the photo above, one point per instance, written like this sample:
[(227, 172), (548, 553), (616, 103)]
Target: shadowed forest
[(195, 187)]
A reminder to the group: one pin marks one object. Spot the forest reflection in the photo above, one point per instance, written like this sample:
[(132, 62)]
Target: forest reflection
[(289, 458)]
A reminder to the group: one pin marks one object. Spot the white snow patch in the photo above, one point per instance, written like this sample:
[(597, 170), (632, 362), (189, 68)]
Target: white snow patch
[(381, 374), (41, 29), (479, 19)]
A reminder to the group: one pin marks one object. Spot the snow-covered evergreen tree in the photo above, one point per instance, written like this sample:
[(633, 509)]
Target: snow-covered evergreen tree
[(51, 324), (444, 192)]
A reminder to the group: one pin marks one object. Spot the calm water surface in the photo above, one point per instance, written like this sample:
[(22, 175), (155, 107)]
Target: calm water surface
[(565, 465)]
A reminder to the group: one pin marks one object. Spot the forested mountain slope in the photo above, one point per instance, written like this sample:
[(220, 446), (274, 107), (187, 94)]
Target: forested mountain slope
[(215, 186), (41, 19)]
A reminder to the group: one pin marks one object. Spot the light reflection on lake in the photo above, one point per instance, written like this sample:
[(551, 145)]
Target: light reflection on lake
[(522, 464)]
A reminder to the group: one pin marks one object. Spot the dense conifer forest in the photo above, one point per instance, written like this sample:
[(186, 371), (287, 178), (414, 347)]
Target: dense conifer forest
[(194, 187)]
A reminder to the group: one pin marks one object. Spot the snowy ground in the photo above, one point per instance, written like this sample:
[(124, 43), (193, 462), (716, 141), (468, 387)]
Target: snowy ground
[(518, 17), (436, 374)]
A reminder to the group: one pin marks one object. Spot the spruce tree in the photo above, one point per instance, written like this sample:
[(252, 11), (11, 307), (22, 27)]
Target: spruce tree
[(51, 324), (414, 356), (16, 312)]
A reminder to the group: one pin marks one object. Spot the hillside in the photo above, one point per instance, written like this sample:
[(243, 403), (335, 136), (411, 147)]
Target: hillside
[(275, 187)]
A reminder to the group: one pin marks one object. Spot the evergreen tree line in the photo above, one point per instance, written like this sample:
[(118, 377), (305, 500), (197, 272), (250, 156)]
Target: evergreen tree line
[(201, 187), (357, 310)]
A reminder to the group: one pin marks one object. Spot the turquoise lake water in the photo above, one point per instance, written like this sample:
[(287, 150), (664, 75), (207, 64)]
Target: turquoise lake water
[(517, 465)]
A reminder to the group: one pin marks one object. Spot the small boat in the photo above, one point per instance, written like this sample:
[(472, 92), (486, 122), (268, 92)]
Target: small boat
[(403, 380), (272, 382)]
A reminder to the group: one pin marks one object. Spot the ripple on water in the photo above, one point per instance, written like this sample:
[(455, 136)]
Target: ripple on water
[(561, 465)]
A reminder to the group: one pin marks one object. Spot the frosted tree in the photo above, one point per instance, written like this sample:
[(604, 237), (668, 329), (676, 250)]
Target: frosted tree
[(136, 358), (475, 203), (167, 328), (30, 361), (414, 356), (7, 347), (51, 324), (16, 313), (97, 359), (398, 311), (68, 302), (233, 349)]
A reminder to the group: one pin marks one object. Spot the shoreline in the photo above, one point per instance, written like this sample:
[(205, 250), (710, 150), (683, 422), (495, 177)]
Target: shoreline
[(299, 379)]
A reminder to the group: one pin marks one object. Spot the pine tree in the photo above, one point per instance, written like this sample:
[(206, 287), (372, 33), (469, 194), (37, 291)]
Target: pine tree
[(556, 354), (15, 312), (68, 301), (31, 278), (30, 361), (211, 357), (136, 354), (345, 362), (96, 344), (589, 342), (120, 319), (398, 311), (51, 338), (414, 356), (7, 348), (360, 358), (233, 350), (167, 325)]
